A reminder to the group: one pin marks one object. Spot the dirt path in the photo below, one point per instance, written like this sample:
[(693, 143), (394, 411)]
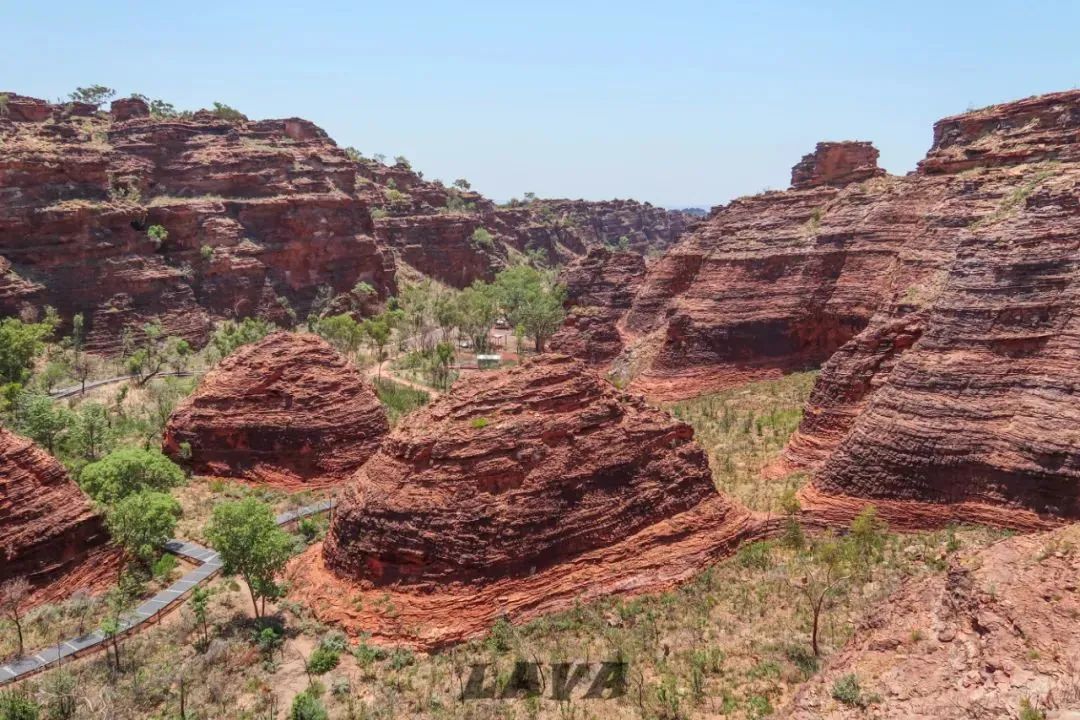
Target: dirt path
[(383, 370)]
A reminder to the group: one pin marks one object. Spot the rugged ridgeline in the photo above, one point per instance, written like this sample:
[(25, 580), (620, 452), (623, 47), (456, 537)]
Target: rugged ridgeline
[(962, 390), (49, 531), (431, 227), (262, 218), (287, 411), (975, 641), (514, 494)]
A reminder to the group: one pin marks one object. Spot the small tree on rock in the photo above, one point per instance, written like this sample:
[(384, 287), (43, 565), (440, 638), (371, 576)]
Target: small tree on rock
[(13, 594)]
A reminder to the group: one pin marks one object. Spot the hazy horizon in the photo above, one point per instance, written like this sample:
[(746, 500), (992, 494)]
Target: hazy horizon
[(685, 106)]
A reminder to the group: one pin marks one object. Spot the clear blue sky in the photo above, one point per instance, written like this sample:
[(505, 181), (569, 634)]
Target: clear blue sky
[(677, 102)]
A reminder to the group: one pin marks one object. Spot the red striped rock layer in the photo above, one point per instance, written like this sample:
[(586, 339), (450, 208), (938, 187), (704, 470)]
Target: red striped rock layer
[(518, 491), (287, 411), (255, 211), (48, 527)]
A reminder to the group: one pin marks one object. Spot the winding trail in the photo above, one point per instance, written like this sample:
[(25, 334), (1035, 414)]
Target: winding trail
[(150, 611)]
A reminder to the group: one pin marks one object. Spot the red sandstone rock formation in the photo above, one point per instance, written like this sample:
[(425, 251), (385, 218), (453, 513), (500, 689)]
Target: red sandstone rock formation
[(515, 493), (994, 630), (968, 403), (254, 211), (287, 411), (600, 289), (836, 163), (49, 531)]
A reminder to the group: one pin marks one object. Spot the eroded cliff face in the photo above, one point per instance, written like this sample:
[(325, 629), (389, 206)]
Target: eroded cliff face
[(600, 289), (962, 393), (516, 492), (48, 527), (287, 411), (254, 211)]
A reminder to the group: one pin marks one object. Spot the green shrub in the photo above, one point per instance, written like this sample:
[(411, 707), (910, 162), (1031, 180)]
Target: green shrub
[(206, 252), (14, 706), (1029, 712), (755, 555), (225, 112), (158, 234), (322, 660), (483, 238), (306, 706), (399, 400), (847, 690), (479, 423), (128, 470)]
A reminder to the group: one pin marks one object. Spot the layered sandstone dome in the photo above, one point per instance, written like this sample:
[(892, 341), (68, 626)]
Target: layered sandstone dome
[(512, 472), (516, 494), (48, 527), (287, 411)]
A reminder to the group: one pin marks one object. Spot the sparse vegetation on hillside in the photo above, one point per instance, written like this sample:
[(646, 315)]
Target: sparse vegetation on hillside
[(744, 429)]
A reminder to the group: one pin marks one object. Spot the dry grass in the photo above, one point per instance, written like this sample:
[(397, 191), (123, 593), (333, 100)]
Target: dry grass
[(744, 429)]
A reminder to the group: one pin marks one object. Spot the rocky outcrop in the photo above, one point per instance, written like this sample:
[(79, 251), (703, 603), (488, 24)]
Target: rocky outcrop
[(836, 163), (257, 215), (565, 229), (979, 640), (287, 411), (514, 494), (973, 405), (49, 530), (600, 288)]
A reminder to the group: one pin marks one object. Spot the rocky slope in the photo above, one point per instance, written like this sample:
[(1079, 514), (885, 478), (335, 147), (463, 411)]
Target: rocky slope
[(49, 530), (514, 494), (600, 289), (254, 211), (286, 411), (976, 641)]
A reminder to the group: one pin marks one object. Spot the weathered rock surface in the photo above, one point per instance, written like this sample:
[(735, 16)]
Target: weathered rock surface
[(516, 492), (836, 163), (254, 211), (996, 629), (970, 402), (600, 289), (286, 411), (49, 529)]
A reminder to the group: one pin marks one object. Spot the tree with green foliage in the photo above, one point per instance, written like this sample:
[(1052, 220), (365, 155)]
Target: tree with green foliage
[(14, 705), (126, 471), (92, 433), (866, 540), (119, 601), (378, 330), (44, 421), (230, 335), (821, 577), (200, 604), (143, 522), (462, 184), (225, 112), (251, 545), (13, 594), (341, 331), (21, 343), (95, 95), (477, 308), (530, 297)]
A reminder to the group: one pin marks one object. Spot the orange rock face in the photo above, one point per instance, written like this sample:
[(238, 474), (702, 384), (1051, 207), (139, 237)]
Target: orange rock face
[(48, 527), (514, 493), (287, 411), (836, 163), (994, 630)]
